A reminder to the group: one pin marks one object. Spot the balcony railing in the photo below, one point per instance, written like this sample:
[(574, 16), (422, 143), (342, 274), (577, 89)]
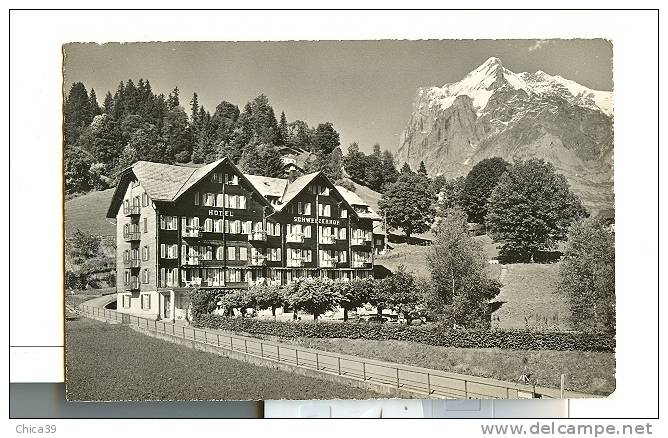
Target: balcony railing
[(131, 263), (260, 236), (357, 241), (191, 232), (132, 210), (193, 282), (191, 261), (132, 236), (132, 285), (327, 240), (295, 238), (360, 264), (257, 261), (327, 263), (295, 263)]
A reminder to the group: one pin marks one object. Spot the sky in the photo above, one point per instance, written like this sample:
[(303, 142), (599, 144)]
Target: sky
[(365, 88)]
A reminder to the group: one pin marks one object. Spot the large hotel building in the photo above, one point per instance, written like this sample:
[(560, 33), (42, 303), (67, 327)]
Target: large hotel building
[(178, 227)]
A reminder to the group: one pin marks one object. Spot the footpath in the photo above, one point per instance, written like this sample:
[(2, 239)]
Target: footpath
[(392, 379)]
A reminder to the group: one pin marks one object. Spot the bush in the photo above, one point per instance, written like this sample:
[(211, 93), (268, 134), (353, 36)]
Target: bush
[(434, 334)]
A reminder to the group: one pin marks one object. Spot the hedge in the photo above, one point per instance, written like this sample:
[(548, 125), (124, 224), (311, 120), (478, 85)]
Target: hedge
[(428, 334)]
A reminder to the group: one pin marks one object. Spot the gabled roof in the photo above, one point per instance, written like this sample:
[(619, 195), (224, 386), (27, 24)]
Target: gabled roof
[(353, 199), (161, 181), (268, 186), (167, 182), (296, 187)]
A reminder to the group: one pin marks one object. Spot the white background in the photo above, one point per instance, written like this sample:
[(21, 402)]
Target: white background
[(35, 163)]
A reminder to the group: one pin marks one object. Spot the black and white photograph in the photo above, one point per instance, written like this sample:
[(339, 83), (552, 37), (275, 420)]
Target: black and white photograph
[(353, 219)]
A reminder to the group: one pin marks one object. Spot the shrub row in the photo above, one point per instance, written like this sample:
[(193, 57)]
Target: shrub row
[(430, 334)]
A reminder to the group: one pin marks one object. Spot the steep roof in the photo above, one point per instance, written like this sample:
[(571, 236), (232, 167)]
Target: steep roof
[(161, 181), (295, 188), (167, 182), (352, 199), (268, 186)]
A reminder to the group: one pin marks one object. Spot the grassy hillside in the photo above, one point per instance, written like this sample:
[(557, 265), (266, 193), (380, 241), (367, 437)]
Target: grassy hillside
[(529, 289), (88, 213)]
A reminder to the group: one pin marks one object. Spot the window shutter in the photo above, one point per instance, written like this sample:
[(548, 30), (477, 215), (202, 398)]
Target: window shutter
[(227, 200), (196, 198), (162, 250), (242, 205), (219, 200), (243, 253)]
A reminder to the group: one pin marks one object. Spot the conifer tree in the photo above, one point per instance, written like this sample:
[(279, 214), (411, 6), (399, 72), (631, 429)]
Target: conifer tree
[(422, 169), (406, 168), (283, 129)]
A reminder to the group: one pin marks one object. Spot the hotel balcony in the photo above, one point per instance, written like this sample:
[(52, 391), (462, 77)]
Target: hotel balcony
[(327, 240), (360, 264), (191, 232), (132, 210), (327, 263), (132, 236), (133, 285), (131, 263), (259, 236), (295, 263), (357, 241), (257, 261), (294, 238), (191, 261)]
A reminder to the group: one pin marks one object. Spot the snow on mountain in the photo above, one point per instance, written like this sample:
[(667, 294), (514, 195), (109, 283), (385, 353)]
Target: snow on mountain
[(493, 111), (481, 83)]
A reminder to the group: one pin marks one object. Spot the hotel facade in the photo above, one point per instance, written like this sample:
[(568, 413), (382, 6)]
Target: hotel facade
[(180, 227)]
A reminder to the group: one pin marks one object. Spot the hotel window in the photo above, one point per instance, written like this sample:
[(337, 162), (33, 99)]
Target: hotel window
[(169, 251), (127, 277), (232, 180), (136, 201), (273, 229), (246, 227), (196, 198), (126, 205), (324, 210), (144, 199), (307, 254), (233, 275), (220, 200), (344, 213), (208, 225), (144, 253), (231, 253), (323, 190), (146, 302), (209, 200), (307, 208), (307, 231), (217, 177), (342, 234), (126, 301), (243, 253), (145, 225), (218, 226), (206, 252), (275, 254), (300, 209), (144, 276), (342, 256), (233, 227), (220, 253), (168, 222)]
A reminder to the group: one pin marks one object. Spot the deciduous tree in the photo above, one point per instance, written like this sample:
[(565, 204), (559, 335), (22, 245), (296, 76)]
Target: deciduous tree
[(587, 275), (408, 204), (478, 186), (531, 209)]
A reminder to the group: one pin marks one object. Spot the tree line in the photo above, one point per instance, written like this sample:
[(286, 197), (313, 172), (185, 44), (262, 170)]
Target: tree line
[(528, 209), (134, 123)]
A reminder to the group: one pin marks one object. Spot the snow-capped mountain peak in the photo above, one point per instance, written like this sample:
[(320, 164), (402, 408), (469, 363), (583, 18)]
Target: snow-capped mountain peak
[(481, 83)]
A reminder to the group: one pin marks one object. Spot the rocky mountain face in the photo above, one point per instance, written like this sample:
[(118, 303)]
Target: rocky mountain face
[(495, 112)]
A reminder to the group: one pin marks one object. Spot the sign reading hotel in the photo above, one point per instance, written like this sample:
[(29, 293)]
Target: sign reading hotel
[(228, 213), (312, 220)]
